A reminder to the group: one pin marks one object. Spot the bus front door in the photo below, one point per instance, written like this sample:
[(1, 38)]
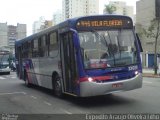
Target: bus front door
[(20, 65), (69, 69)]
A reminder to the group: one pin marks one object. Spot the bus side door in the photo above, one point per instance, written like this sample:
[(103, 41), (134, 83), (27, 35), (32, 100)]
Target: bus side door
[(19, 58), (68, 58)]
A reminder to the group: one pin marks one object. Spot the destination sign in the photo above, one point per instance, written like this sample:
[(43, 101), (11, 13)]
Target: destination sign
[(104, 23), (95, 23)]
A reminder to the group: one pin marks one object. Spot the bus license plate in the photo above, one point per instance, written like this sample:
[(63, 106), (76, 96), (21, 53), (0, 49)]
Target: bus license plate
[(117, 85)]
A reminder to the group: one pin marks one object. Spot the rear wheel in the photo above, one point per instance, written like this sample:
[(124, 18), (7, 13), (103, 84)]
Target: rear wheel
[(58, 87)]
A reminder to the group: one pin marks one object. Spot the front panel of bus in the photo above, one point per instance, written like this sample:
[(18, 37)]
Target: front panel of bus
[(109, 53), (5, 62)]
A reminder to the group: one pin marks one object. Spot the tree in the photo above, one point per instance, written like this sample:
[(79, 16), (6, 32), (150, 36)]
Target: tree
[(110, 9), (153, 31)]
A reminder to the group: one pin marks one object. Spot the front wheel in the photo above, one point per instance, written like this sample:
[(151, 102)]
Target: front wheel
[(58, 87)]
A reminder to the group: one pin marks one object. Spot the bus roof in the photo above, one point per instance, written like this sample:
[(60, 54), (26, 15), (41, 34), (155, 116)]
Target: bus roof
[(69, 23)]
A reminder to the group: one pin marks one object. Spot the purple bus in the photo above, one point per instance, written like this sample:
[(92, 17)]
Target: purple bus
[(85, 56)]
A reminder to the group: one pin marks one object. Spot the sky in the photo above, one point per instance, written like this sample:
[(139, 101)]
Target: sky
[(28, 11)]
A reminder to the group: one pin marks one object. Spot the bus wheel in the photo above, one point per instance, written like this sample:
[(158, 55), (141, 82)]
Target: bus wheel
[(58, 87)]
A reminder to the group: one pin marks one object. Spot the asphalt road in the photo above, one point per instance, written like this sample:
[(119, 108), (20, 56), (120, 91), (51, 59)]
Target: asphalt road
[(16, 98)]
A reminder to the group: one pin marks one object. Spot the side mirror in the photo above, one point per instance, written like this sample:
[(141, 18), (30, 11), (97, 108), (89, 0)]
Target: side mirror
[(139, 43)]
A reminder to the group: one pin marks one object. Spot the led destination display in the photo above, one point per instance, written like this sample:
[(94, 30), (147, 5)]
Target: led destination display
[(100, 23)]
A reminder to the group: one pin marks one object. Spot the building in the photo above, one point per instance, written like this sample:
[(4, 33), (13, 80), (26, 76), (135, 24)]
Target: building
[(40, 25), (76, 8), (57, 17), (147, 10), (121, 9), (10, 33), (16, 33), (37, 25), (3, 34), (21, 31), (47, 24)]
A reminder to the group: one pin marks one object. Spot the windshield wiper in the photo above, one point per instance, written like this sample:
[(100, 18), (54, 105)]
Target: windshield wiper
[(101, 37), (97, 34), (119, 43), (111, 48)]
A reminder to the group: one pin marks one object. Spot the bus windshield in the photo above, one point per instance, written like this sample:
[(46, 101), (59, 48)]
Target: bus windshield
[(103, 49), (4, 57)]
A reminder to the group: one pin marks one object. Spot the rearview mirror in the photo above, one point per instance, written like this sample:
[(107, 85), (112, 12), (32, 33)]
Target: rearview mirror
[(75, 38), (139, 43)]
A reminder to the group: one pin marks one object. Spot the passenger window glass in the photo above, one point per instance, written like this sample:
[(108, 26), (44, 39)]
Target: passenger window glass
[(53, 47), (43, 48), (53, 38), (35, 48)]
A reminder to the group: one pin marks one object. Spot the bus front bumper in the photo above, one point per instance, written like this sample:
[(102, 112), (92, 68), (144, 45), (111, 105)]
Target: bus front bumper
[(94, 89)]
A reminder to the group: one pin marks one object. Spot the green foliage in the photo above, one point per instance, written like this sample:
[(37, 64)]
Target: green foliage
[(110, 8), (153, 31)]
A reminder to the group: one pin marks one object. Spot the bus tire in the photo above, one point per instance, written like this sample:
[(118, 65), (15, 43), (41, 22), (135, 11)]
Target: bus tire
[(58, 87)]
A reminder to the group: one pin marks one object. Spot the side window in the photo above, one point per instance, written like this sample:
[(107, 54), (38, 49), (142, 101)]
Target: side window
[(25, 50), (30, 49), (53, 44), (35, 48), (43, 47)]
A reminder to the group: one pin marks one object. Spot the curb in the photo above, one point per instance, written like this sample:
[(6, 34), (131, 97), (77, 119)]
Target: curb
[(150, 75)]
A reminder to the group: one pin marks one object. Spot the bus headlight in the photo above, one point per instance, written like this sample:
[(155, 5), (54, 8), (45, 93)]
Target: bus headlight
[(90, 79), (136, 72)]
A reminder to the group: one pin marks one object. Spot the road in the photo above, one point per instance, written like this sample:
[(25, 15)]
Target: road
[(16, 98)]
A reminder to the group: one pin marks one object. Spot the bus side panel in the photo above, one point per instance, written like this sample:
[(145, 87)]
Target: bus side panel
[(46, 68), (40, 71), (31, 65)]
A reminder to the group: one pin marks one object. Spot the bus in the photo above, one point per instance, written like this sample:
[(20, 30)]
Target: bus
[(5, 61), (83, 57)]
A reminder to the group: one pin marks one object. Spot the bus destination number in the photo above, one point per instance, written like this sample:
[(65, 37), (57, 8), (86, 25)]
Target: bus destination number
[(132, 68)]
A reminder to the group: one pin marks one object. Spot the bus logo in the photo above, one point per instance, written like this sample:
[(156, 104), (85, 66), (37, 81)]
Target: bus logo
[(131, 68)]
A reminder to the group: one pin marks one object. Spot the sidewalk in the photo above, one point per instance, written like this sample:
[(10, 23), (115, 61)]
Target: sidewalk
[(149, 73)]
